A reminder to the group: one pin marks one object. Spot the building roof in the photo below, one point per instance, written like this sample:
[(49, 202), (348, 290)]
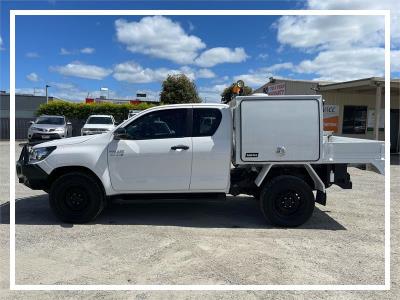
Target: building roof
[(360, 84)]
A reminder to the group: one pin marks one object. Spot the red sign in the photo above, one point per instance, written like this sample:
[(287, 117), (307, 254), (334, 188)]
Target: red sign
[(89, 100)]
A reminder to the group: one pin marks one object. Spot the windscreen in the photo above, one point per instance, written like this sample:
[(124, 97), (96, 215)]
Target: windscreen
[(50, 120), (99, 120)]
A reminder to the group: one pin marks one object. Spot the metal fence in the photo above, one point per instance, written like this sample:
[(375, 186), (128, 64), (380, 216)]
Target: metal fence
[(22, 125)]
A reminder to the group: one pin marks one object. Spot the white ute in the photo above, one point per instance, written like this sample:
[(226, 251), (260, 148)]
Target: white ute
[(97, 124), (271, 147)]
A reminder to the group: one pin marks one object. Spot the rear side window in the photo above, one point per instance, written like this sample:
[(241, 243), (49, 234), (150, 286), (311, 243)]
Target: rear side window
[(206, 121)]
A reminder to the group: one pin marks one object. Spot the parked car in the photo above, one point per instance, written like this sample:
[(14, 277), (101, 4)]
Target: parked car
[(97, 124), (48, 127), (132, 113), (275, 143)]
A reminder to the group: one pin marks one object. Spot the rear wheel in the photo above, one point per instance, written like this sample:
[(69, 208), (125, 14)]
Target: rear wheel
[(76, 198), (287, 201)]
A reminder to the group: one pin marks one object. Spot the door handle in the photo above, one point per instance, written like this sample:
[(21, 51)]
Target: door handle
[(182, 147)]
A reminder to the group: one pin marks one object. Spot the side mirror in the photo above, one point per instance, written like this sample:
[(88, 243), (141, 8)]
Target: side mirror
[(31, 122), (120, 133), (69, 123)]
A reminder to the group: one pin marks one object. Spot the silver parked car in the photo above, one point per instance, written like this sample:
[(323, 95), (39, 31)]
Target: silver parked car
[(48, 128)]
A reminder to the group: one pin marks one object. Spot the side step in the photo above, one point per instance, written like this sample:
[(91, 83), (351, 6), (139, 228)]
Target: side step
[(184, 197)]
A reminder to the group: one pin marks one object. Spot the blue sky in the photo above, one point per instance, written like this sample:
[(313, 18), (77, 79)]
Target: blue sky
[(77, 55)]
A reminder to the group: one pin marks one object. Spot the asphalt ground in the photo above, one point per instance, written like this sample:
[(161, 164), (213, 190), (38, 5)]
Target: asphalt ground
[(203, 243)]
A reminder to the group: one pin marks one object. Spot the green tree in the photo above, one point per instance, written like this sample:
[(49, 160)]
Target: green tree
[(227, 94), (178, 89)]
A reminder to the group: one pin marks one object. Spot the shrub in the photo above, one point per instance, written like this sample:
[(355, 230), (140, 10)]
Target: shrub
[(82, 111)]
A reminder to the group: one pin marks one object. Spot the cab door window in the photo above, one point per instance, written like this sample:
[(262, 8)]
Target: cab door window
[(162, 124), (206, 121)]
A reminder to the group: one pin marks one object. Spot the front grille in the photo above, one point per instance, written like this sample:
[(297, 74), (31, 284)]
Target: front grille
[(94, 129), (39, 136), (45, 130)]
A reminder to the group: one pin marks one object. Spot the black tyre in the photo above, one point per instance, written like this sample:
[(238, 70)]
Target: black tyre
[(287, 201), (76, 198)]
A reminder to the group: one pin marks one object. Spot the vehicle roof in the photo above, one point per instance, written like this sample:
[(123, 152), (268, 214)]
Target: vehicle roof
[(189, 105), (280, 97), (52, 116), (100, 116)]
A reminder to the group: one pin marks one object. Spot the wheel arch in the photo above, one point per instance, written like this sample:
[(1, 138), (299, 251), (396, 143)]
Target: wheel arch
[(60, 171), (303, 171)]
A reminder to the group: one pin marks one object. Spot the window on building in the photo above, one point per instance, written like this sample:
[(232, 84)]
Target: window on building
[(354, 119)]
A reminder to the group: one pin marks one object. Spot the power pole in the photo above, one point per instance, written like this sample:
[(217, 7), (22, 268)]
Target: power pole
[(47, 95)]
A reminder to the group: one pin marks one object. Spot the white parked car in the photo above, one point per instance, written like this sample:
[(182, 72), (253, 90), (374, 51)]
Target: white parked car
[(276, 144), (48, 127), (133, 112), (97, 124)]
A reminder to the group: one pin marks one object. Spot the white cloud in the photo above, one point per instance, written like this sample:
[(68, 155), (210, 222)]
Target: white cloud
[(191, 26), (254, 78), (78, 69), (32, 77), (159, 37), (395, 61), (262, 56), (278, 67), (330, 32), (72, 92), (330, 65), (30, 91), (135, 73), (194, 73), (342, 65), (220, 80), (64, 51), (32, 55), (260, 76), (219, 55), (87, 50), (69, 91), (62, 85), (205, 73), (132, 72), (217, 88), (344, 47), (212, 93), (392, 5)]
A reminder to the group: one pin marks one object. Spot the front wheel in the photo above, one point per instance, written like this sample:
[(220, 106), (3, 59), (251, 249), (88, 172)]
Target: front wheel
[(287, 201), (76, 198)]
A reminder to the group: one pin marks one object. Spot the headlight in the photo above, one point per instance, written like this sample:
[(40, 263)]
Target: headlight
[(39, 154), (60, 129), (33, 128)]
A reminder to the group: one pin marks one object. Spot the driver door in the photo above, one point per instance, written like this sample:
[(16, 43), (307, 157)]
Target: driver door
[(156, 154)]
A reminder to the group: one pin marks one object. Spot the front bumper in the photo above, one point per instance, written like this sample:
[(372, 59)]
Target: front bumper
[(31, 175), (44, 136), (92, 132)]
